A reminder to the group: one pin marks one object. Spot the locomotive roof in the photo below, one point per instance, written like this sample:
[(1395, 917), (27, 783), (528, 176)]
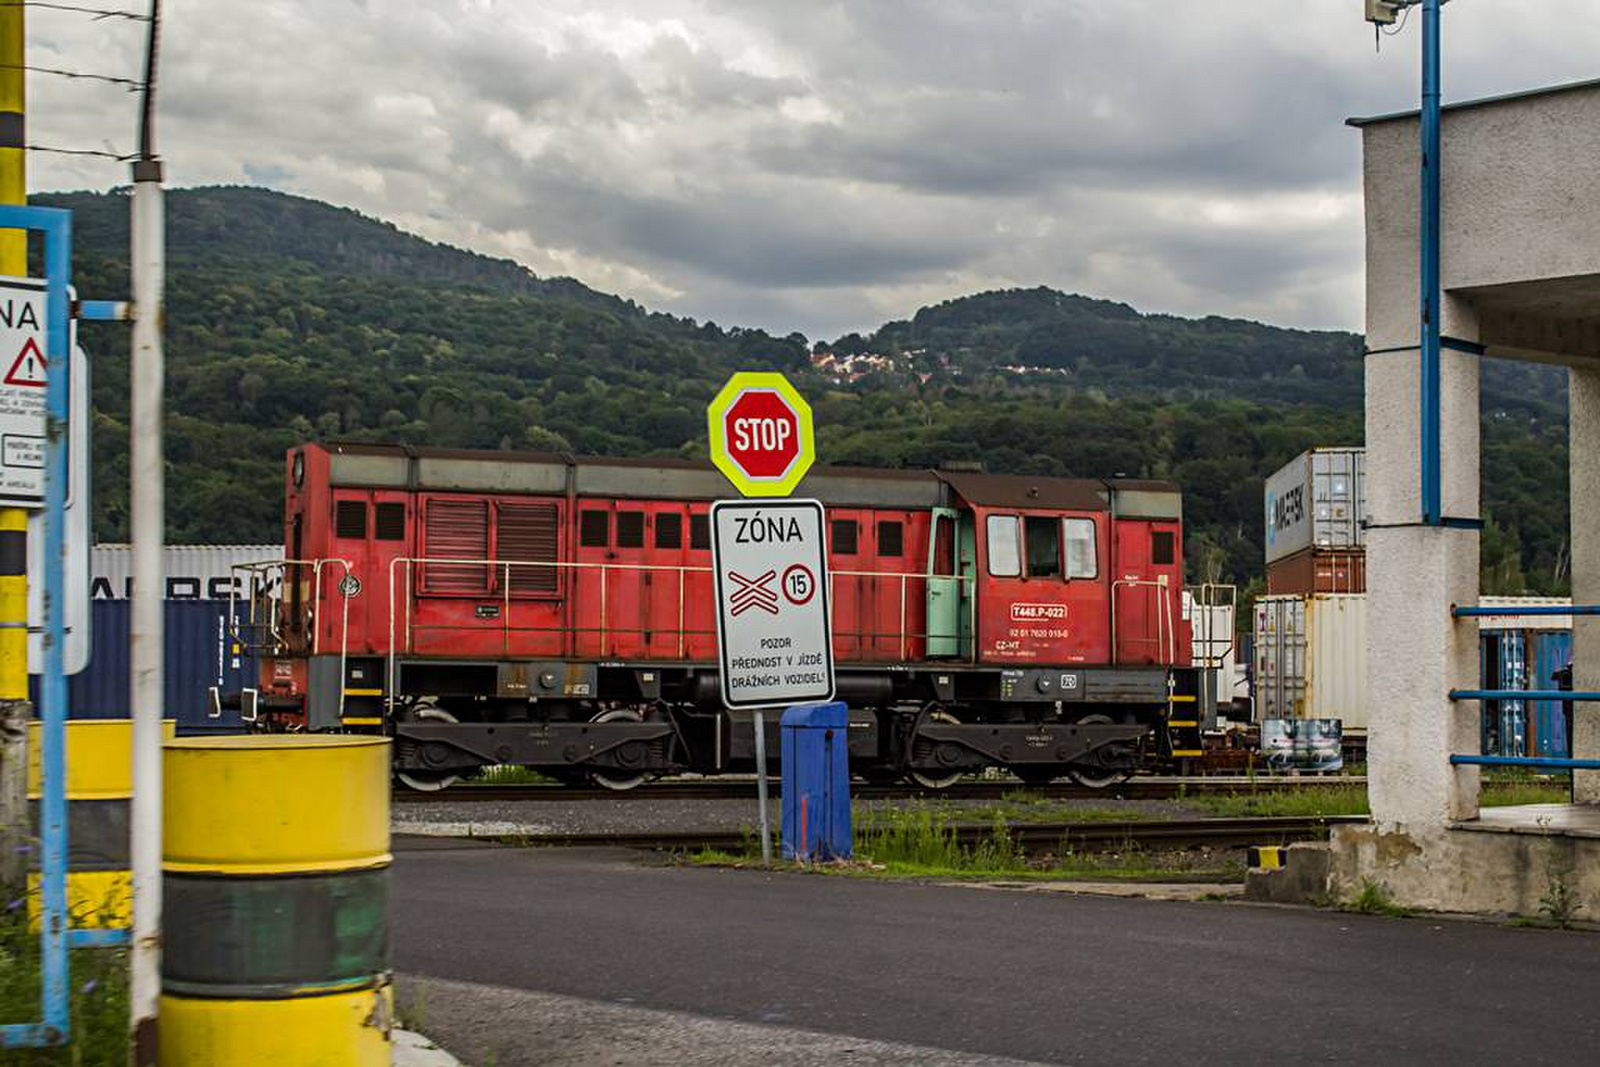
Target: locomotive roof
[(478, 470)]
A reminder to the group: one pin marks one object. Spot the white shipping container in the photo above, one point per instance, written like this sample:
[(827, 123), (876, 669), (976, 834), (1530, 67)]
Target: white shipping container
[(193, 572), (1318, 499), (1311, 658)]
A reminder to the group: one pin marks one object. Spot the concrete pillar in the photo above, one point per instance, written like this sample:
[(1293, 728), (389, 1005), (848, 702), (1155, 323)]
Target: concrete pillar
[(1583, 390), (1415, 652)]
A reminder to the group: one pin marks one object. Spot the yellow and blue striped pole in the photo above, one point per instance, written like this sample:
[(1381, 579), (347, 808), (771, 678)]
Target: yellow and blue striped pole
[(14, 262)]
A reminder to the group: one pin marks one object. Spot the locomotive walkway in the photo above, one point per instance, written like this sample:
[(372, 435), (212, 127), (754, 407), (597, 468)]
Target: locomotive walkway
[(592, 956)]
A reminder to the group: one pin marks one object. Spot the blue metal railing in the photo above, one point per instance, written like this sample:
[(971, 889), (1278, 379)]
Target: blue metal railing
[(1549, 763)]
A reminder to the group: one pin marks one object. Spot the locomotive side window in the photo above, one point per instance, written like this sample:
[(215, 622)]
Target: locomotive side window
[(350, 519), (669, 530), (1005, 559), (1044, 546), (700, 533), (1082, 561), (594, 529), (1163, 548), (389, 522), (891, 538), (844, 537), (630, 529)]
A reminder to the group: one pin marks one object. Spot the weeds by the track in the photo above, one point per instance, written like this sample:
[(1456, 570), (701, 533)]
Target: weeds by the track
[(98, 992), (1351, 799), (511, 774)]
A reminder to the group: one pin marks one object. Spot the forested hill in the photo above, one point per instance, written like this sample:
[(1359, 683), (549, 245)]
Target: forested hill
[(291, 319)]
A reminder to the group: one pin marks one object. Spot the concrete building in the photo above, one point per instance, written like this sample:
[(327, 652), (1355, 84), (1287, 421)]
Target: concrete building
[(1521, 279)]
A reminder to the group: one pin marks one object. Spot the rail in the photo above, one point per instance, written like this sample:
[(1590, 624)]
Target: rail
[(405, 627), (1164, 626), (1550, 763)]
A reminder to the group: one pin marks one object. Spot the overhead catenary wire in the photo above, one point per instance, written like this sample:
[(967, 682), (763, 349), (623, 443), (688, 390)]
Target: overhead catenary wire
[(98, 12), (133, 85), (103, 153)]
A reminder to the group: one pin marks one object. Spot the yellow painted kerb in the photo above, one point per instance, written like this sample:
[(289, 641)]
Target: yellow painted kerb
[(337, 1030), (760, 381), (276, 804)]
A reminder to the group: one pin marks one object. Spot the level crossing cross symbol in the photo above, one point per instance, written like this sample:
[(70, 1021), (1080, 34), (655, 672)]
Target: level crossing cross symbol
[(752, 593)]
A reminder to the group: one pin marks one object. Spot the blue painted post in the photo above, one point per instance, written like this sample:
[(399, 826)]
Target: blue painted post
[(55, 1027), (816, 782), (1432, 505)]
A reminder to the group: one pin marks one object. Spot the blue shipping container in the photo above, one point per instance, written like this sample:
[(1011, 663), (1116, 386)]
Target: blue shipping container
[(1551, 650), (199, 655)]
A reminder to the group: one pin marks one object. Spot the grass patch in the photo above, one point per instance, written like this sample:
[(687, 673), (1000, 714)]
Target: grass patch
[(1348, 799), (98, 993), (511, 774), (1016, 806), (1501, 794), (1373, 900)]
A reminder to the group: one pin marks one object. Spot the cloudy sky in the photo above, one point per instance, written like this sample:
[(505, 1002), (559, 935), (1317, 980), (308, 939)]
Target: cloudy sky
[(818, 166)]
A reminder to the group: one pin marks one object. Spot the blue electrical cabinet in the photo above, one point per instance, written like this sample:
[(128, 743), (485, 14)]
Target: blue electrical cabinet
[(816, 782)]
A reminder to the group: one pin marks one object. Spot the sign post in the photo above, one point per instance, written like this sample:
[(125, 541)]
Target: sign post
[(770, 558)]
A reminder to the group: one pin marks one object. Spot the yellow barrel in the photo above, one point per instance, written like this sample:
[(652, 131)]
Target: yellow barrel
[(99, 784), (275, 911)]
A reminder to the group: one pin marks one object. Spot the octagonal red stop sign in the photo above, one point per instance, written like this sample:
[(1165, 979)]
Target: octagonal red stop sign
[(763, 433)]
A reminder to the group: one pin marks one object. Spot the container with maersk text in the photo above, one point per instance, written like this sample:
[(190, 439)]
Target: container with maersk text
[(1318, 500), (1310, 655)]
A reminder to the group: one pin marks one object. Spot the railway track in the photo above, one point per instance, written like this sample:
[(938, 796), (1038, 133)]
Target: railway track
[(1034, 838), (740, 789)]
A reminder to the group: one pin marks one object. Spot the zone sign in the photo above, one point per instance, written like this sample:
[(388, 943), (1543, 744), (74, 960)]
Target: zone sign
[(761, 436), (774, 633)]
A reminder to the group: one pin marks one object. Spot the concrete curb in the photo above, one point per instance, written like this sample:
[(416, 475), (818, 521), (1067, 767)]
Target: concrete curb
[(411, 1049)]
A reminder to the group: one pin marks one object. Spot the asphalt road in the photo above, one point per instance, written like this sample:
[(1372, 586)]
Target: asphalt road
[(1043, 977)]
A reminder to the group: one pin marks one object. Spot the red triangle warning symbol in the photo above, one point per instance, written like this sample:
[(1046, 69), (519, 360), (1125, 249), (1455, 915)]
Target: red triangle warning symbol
[(28, 368)]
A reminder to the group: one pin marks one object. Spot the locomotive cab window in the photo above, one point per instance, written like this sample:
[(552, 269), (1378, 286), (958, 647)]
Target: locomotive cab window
[(700, 532), (1163, 548), (669, 530), (1005, 559), (389, 522), (891, 538), (1082, 560), (594, 529), (350, 519), (1044, 546), (844, 537), (630, 529)]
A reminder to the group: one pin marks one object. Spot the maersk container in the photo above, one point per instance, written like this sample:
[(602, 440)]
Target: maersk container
[(1310, 657), (191, 572), (1317, 500)]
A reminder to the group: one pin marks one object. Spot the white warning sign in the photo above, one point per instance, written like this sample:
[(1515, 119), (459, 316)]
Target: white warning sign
[(774, 633), (22, 384)]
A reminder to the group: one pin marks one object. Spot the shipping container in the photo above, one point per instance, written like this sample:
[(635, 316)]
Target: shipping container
[(1523, 652), (199, 655), (1318, 570), (192, 572), (1310, 656), (1316, 500)]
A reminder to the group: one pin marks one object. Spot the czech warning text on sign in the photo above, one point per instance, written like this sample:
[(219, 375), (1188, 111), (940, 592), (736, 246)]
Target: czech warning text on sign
[(774, 635), (22, 384)]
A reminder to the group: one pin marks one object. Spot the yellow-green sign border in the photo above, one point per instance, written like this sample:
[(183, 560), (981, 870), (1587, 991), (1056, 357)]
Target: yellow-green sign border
[(764, 382)]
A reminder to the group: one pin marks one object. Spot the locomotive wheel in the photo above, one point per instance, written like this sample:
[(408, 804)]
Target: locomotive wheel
[(613, 779), (929, 781), (1093, 779), (420, 780)]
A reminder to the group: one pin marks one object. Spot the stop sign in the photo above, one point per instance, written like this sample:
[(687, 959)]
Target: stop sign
[(761, 434)]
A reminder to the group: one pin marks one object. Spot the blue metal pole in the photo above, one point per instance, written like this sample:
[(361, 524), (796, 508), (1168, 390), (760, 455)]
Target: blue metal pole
[(1540, 609), (1432, 505), (1549, 763), (1581, 697), (52, 684)]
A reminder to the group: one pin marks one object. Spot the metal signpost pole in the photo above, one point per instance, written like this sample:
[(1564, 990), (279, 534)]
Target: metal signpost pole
[(761, 788), (147, 641), (1432, 497)]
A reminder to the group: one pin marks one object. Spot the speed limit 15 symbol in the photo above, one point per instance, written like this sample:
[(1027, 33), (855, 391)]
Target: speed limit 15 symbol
[(799, 584)]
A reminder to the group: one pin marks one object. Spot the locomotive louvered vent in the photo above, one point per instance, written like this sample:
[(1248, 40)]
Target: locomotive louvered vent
[(389, 522), (528, 533), (456, 529), (350, 519)]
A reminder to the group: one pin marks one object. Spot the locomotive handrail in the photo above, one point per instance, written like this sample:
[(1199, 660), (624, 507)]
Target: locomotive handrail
[(316, 566), (682, 570), (1163, 621)]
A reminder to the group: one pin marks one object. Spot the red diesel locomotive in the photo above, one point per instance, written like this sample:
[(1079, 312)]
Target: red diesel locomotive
[(557, 613)]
